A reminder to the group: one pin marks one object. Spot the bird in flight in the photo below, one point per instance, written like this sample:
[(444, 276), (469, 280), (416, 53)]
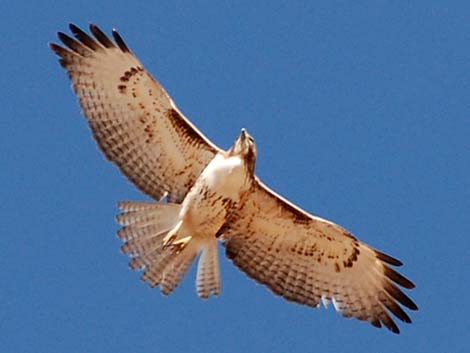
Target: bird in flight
[(204, 194)]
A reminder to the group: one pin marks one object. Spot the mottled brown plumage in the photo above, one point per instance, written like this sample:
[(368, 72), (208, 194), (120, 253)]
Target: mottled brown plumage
[(212, 194)]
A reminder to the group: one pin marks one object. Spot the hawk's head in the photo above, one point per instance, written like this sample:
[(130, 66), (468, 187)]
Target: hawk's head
[(245, 147)]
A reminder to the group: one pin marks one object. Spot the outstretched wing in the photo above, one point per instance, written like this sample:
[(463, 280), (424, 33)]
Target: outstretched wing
[(307, 260), (133, 119)]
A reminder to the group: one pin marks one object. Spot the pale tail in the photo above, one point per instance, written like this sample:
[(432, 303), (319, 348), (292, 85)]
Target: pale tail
[(145, 225), (208, 275)]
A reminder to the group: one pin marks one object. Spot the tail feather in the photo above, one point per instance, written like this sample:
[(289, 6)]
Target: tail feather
[(143, 240), (145, 226), (208, 274), (153, 271), (146, 257), (137, 216), (129, 206), (142, 228), (178, 267)]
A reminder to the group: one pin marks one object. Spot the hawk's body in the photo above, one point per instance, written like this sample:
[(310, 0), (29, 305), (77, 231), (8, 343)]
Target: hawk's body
[(204, 194), (191, 227)]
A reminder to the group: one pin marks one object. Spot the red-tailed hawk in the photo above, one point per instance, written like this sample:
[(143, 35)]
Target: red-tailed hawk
[(204, 194)]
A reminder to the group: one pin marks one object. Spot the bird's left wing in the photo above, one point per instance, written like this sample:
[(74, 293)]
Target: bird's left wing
[(133, 119), (307, 260)]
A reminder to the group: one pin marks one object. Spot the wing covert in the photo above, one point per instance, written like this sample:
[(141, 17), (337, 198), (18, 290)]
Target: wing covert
[(133, 119)]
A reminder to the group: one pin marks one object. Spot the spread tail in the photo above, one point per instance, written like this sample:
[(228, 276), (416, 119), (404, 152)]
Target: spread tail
[(153, 239), (145, 226)]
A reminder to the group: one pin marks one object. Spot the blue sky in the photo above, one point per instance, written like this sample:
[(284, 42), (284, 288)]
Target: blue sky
[(361, 115)]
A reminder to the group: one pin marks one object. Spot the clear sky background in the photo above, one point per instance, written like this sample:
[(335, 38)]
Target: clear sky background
[(361, 115)]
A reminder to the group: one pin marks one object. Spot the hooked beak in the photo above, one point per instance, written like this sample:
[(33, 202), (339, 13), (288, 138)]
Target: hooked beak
[(243, 135)]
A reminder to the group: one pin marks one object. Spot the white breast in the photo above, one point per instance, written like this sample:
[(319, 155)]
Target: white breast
[(206, 203), (225, 176)]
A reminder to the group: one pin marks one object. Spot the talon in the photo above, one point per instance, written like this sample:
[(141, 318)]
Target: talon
[(182, 242), (168, 240), (171, 236)]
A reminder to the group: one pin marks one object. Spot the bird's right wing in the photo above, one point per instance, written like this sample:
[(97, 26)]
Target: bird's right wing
[(307, 259), (133, 119)]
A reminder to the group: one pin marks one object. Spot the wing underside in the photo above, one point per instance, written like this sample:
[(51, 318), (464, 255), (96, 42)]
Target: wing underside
[(309, 260), (133, 119)]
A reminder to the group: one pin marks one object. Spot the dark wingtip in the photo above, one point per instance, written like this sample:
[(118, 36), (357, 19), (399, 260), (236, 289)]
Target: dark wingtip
[(398, 278), (387, 258), (375, 322), (57, 49), (100, 36), (395, 309), (93, 28), (389, 323), (63, 37), (412, 306), (54, 47), (84, 37), (70, 42), (401, 297), (120, 42), (73, 28), (61, 52)]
